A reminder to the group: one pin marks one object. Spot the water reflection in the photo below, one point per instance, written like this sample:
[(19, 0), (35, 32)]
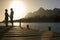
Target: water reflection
[(40, 26), (16, 24), (43, 26)]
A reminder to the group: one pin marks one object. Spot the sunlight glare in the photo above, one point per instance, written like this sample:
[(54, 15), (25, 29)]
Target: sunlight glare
[(19, 9), (16, 24)]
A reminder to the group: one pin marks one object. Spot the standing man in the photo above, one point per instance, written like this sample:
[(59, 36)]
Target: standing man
[(11, 16), (6, 17)]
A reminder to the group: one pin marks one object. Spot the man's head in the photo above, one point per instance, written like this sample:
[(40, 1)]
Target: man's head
[(6, 10), (11, 9)]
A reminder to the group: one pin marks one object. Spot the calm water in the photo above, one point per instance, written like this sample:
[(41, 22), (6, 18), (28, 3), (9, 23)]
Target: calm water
[(40, 26), (43, 26)]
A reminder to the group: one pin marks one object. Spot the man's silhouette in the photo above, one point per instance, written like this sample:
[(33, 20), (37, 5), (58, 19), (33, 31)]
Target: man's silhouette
[(6, 17), (11, 16)]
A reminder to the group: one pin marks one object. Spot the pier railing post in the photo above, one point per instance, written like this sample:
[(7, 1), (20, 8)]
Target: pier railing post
[(49, 28)]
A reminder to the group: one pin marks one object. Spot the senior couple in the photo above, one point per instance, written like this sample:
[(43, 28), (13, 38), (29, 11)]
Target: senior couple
[(7, 16)]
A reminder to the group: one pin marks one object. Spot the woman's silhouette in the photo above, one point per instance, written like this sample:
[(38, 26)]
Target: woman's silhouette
[(6, 17), (11, 16)]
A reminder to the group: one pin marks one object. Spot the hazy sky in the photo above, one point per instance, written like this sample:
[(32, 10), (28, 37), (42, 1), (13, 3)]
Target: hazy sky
[(31, 5)]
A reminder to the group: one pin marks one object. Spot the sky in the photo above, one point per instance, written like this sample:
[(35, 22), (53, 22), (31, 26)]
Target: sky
[(31, 6)]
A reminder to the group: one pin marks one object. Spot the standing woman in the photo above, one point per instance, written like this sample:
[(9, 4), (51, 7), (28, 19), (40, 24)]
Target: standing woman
[(6, 17), (11, 16)]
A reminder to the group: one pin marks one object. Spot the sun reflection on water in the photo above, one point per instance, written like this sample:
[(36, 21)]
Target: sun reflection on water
[(16, 24)]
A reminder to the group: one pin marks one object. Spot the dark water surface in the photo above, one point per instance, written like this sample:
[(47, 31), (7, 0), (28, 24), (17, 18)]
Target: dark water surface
[(43, 26), (40, 26)]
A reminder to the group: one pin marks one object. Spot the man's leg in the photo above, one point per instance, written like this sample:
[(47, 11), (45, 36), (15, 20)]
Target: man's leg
[(12, 22), (6, 24)]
